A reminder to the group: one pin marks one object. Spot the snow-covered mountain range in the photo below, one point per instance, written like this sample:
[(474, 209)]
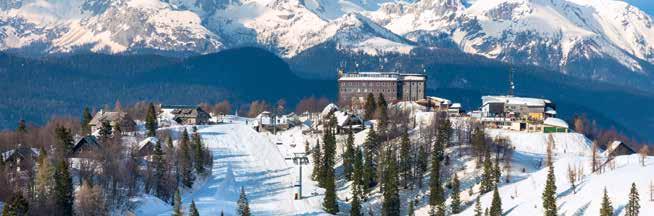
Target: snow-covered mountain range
[(558, 34)]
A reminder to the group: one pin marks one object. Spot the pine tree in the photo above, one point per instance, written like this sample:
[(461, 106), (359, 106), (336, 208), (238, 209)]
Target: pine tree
[(193, 211), (370, 107), (382, 113), (443, 136), (488, 175), (243, 204), (422, 164), (151, 121), (405, 159), (355, 203), (357, 176), (317, 162), (496, 204), (85, 120), (329, 153), (549, 195), (63, 141), (607, 207), (328, 178), (159, 171), (186, 162), (455, 205), (198, 153), (633, 207), (436, 199), (18, 206), (63, 190), (478, 207), (370, 163), (348, 155), (391, 203), (177, 204), (497, 172)]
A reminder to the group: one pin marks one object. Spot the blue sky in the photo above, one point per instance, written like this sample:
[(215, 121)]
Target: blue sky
[(645, 5)]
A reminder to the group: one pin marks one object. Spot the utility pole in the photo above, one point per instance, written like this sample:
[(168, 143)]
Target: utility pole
[(299, 159)]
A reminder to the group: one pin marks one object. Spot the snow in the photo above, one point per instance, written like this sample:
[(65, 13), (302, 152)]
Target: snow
[(330, 108), (257, 162), (557, 122), (524, 197), (514, 100), (536, 143), (245, 158), (568, 29)]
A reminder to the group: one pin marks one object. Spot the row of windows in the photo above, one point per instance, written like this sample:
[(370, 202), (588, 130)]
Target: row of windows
[(364, 84), (365, 90)]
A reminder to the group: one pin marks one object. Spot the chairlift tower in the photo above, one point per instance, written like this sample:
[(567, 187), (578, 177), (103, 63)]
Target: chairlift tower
[(299, 159)]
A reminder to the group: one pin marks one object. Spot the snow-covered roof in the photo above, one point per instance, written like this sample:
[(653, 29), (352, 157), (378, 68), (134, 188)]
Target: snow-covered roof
[(330, 108), (409, 106), (144, 142), (414, 78), (440, 100), (381, 76), (514, 100), (611, 147), (557, 122), (344, 118), (24, 151), (368, 79)]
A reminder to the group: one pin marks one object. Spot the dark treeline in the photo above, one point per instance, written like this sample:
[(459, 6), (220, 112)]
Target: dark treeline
[(41, 88)]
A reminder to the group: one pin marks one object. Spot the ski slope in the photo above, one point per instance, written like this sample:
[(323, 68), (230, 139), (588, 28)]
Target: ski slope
[(245, 158)]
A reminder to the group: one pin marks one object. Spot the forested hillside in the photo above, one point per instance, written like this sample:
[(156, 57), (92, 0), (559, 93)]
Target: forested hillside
[(35, 90), (38, 89)]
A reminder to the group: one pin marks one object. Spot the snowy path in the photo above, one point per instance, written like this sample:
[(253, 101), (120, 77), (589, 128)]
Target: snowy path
[(243, 157)]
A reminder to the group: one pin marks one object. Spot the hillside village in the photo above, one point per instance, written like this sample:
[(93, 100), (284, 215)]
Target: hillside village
[(374, 151)]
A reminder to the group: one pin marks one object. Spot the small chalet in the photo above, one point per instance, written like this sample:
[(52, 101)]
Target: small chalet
[(265, 121), (120, 119), (617, 148), (17, 157), (185, 115), (85, 146), (146, 147), (344, 120), (348, 121)]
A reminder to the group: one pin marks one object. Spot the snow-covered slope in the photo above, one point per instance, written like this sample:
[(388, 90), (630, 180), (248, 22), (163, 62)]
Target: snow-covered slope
[(524, 197), (243, 158)]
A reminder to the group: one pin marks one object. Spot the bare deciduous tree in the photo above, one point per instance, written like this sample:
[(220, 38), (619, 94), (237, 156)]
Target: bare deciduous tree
[(644, 152)]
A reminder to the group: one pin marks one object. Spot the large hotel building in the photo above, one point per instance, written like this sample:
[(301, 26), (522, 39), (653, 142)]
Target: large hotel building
[(394, 86)]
